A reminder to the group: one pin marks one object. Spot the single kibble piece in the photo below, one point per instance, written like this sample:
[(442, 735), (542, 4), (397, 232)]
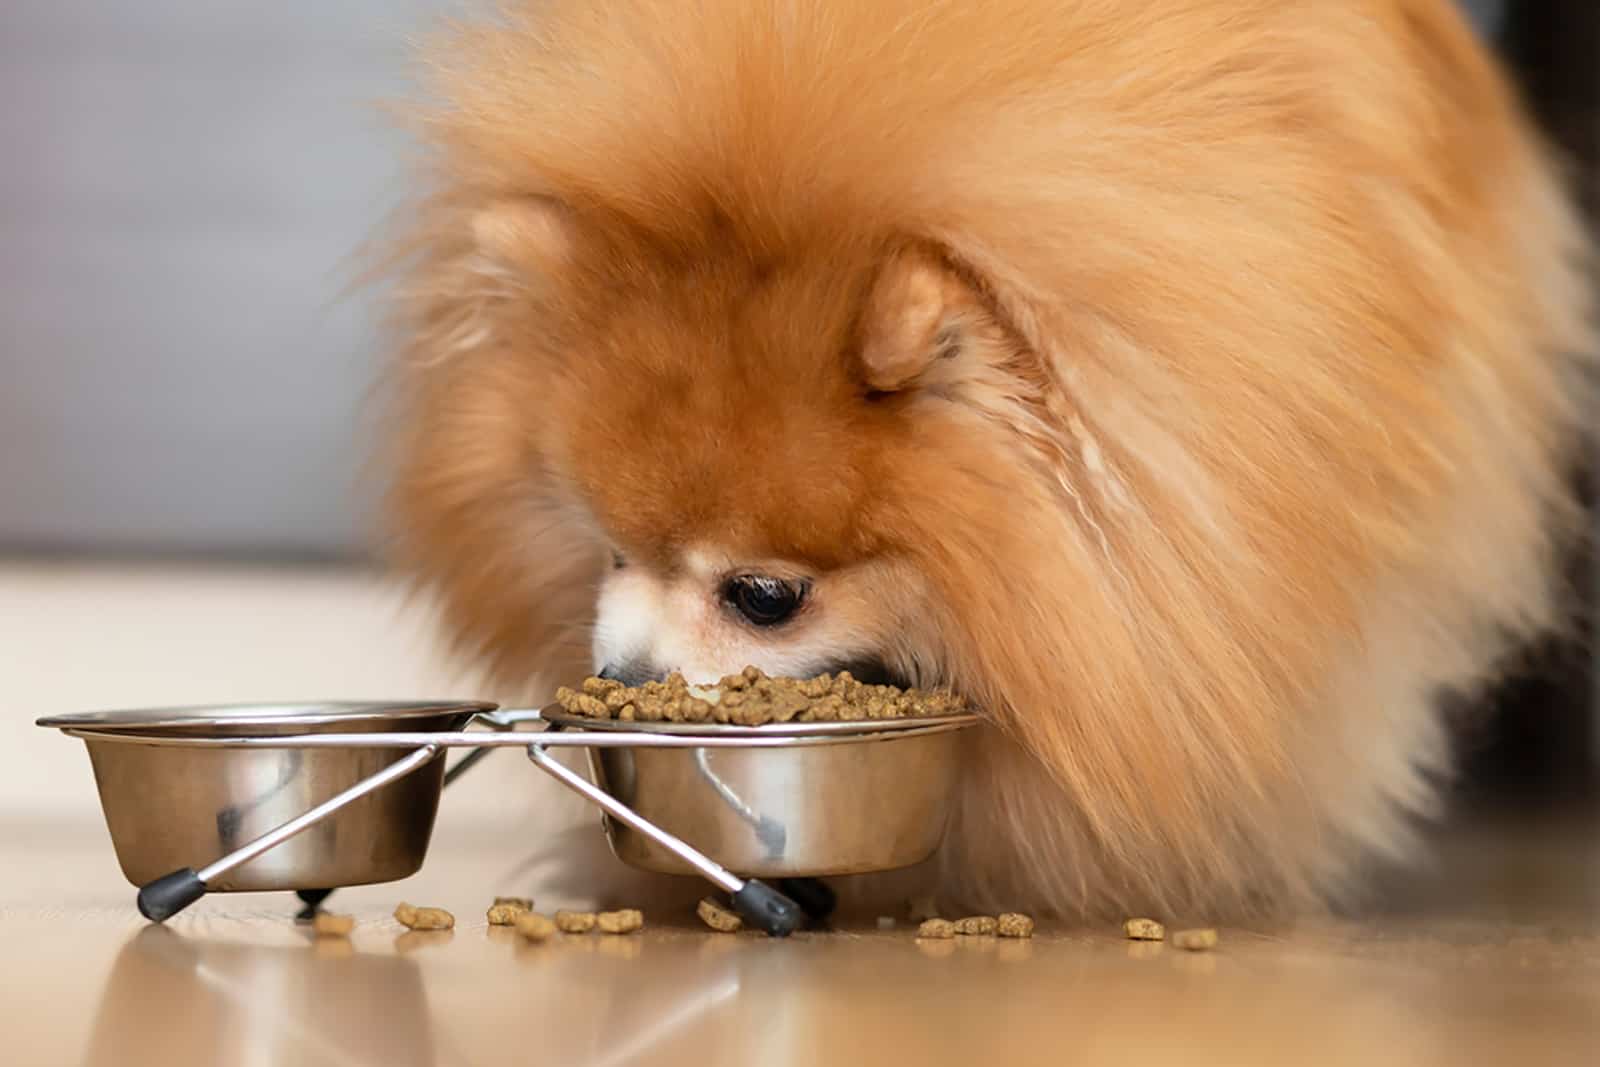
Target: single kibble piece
[(501, 914), (720, 919), (625, 921), (1012, 924), (976, 924), (533, 926), (525, 903), (574, 922), (424, 918), (1195, 940), (326, 925), (939, 929), (1143, 930)]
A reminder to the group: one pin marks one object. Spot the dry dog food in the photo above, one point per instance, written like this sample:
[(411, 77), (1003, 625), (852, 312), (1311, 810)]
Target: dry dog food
[(625, 921), (723, 920), (525, 903), (939, 929), (1012, 924), (533, 926), (976, 924), (1143, 930), (1195, 940), (504, 913), (424, 918), (575, 922), (328, 925), (751, 698)]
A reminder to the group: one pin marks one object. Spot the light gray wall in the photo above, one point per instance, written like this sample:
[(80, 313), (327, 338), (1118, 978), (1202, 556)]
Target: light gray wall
[(183, 186), (182, 183)]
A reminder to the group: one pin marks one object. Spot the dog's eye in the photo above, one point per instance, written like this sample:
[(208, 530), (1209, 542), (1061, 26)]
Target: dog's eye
[(764, 601), (618, 561)]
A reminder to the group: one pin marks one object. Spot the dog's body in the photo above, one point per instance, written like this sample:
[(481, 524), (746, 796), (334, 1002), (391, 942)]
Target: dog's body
[(1190, 383)]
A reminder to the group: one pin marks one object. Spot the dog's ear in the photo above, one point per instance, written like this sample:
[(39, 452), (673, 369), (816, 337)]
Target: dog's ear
[(525, 231), (920, 312)]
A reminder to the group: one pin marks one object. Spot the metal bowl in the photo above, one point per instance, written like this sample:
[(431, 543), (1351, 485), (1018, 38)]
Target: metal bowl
[(827, 799), (170, 805)]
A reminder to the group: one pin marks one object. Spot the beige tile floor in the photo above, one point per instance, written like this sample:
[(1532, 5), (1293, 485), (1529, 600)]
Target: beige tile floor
[(1492, 956)]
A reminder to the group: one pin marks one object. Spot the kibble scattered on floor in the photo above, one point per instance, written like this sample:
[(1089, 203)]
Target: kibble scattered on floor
[(329, 925), (1143, 930), (504, 913), (575, 922), (1013, 924), (721, 919), (424, 918), (1195, 940), (533, 926), (625, 921), (1008, 924)]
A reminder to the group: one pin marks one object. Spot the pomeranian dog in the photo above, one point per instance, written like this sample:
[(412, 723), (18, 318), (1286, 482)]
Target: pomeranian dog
[(1192, 384)]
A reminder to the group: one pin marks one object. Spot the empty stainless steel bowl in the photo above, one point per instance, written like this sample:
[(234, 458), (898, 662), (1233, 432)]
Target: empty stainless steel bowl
[(170, 806)]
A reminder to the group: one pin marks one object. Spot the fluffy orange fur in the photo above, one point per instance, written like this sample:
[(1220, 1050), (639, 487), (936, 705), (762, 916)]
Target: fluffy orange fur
[(1274, 310)]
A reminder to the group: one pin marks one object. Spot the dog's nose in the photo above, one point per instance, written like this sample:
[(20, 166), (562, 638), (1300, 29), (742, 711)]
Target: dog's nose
[(630, 672)]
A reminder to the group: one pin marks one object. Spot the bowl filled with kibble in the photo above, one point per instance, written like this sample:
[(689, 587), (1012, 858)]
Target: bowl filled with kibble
[(800, 777)]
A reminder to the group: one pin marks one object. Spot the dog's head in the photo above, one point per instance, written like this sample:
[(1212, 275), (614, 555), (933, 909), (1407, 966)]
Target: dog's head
[(702, 458)]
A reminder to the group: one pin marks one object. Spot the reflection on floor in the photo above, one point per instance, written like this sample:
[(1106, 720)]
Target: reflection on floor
[(1492, 958)]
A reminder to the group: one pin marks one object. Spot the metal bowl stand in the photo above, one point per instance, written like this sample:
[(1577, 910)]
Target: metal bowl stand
[(777, 911)]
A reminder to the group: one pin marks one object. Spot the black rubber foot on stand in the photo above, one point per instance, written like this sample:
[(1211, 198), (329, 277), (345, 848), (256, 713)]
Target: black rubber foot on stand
[(814, 896), (170, 894), (767, 909), (312, 899)]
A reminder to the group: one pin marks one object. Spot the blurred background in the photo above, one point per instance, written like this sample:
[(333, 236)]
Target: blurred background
[(185, 382)]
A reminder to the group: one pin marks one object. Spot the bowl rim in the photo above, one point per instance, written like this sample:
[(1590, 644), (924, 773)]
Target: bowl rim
[(306, 713), (792, 735)]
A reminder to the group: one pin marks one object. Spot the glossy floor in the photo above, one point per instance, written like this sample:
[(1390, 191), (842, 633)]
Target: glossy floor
[(1494, 959)]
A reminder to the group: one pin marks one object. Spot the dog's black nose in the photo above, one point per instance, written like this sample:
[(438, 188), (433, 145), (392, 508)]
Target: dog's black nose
[(630, 673)]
